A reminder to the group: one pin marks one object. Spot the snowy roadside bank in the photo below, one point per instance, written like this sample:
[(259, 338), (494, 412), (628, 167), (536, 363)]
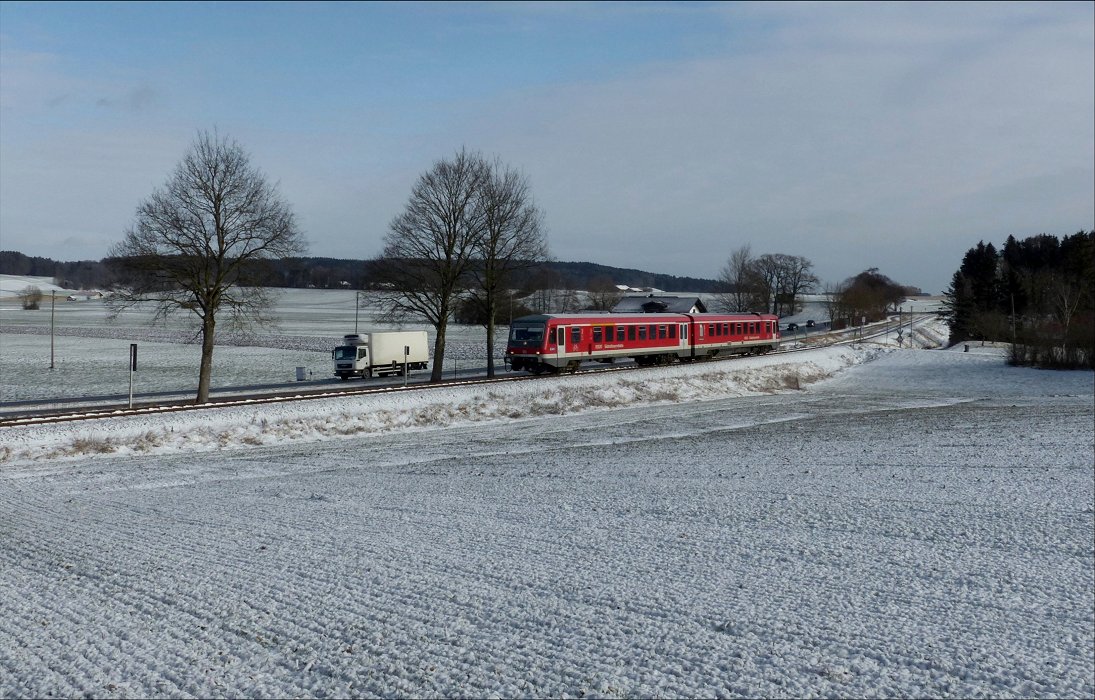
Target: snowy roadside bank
[(335, 418)]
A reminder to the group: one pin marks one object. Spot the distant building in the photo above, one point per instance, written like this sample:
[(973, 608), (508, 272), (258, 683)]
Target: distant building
[(659, 303)]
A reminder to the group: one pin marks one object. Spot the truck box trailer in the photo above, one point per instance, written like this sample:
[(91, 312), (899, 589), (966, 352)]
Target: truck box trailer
[(381, 354)]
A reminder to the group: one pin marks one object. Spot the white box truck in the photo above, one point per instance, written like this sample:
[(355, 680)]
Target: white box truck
[(381, 354)]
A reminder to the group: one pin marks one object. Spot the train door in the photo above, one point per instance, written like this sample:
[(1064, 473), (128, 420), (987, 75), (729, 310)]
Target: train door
[(560, 344)]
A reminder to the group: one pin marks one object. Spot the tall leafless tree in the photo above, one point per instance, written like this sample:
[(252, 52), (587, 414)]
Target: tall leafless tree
[(198, 244), (512, 240), (780, 279), (429, 246), (738, 278), (769, 271), (798, 279)]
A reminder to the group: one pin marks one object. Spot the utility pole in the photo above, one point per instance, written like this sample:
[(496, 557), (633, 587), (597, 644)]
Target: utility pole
[(52, 314)]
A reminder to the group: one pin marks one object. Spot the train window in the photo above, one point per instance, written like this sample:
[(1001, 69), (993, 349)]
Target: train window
[(684, 332), (562, 336), (575, 334), (737, 328), (598, 334), (673, 331), (662, 333), (642, 332), (631, 332), (726, 329), (610, 334), (653, 332), (752, 328), (710, 329)]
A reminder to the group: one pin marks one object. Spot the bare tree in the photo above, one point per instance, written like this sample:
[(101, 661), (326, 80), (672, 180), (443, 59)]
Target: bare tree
[(797, 280), (512, 240), (429, 247), (198, 245), (769, 270), (780, 279), (832, 303), (738, 279), (31, 297), (869, 294)]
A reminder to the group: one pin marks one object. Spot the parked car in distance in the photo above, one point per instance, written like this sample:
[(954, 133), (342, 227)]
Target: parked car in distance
[(792, 326), (810, 323)]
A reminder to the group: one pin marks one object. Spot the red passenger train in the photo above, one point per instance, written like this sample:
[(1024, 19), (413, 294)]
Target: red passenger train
[(554, 342)]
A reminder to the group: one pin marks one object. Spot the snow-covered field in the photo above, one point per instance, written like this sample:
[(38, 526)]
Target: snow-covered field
[(847, 522), (90, 350)]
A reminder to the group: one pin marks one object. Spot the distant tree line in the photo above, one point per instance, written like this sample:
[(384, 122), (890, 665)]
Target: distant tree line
[(83, 274), (349, 273), (1036, 294)]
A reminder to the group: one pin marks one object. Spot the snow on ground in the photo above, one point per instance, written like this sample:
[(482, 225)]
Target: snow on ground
[(919, 523), (13, 285), (860, 520), (454, 405)]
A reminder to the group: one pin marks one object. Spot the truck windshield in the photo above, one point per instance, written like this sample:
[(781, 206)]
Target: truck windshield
[(346, 352), (526, 334)]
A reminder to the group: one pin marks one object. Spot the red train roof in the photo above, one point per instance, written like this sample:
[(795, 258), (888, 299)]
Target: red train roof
[(608, 318)]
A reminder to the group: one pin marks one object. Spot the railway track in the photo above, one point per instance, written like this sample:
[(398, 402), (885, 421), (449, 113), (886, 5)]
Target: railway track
[(44, 416)]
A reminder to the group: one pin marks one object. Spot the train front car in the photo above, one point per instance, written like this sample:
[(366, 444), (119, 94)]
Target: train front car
[(526, 346)]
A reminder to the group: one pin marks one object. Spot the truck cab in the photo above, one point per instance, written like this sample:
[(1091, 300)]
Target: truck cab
[(351, 358)]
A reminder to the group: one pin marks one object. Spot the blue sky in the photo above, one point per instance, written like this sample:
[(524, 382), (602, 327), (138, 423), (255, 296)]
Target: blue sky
[(657, 136)]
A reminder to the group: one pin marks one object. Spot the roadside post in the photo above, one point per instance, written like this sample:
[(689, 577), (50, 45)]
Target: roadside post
[(132, 369), (406, 369), (52, 312)]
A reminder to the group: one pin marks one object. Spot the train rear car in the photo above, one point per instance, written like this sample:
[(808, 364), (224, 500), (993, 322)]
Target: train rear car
[(717, 335)]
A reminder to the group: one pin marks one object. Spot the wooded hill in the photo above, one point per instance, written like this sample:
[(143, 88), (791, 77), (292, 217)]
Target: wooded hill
[(334, 273)]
